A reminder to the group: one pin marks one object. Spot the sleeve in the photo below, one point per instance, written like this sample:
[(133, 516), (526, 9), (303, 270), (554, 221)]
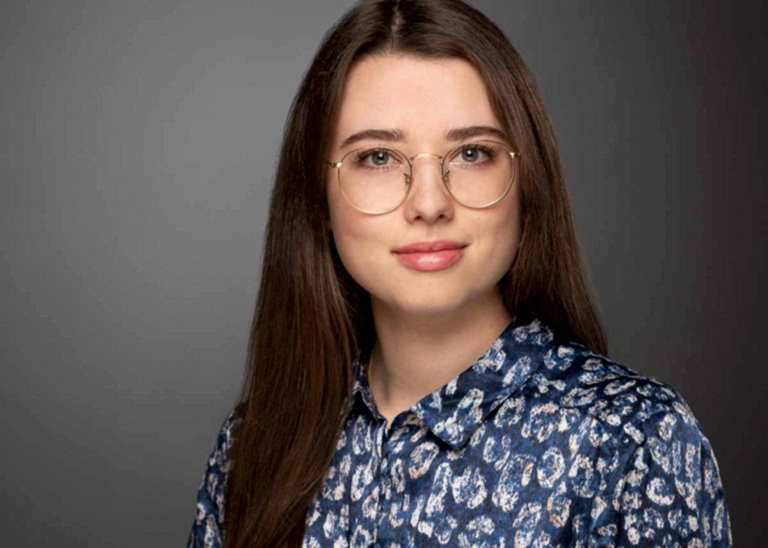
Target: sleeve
[(207, 528), (669, 493)]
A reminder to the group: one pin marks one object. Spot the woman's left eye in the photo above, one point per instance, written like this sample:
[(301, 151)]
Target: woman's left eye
[(470, 153)]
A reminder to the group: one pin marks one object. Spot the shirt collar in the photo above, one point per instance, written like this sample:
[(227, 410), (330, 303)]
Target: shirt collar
[(454, 411)]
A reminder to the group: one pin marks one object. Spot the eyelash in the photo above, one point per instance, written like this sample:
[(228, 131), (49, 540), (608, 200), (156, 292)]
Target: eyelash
[(360, 157)]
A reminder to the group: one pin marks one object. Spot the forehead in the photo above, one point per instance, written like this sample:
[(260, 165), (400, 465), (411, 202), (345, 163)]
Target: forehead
[(422, 97)]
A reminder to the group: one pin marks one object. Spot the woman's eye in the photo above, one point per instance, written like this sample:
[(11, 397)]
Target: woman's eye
[(471, 153), (376, 158)]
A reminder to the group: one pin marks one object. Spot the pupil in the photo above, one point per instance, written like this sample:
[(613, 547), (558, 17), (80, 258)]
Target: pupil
[(469, 153)]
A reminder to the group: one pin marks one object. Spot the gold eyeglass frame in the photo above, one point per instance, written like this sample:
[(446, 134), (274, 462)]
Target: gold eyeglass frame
[(409, 176)]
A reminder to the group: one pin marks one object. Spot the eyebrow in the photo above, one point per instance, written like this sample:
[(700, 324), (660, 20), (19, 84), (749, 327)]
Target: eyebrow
[(397, 135)]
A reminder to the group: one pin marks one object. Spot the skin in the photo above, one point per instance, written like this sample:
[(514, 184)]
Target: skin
[(430, 325)]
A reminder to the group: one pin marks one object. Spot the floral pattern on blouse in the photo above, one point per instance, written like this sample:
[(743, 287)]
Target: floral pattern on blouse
[(538, 443)]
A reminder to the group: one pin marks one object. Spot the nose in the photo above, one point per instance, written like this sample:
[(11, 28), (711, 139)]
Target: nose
[(428, 197)]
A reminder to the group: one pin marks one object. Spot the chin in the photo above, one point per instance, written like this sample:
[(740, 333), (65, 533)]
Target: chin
[(427, 300)]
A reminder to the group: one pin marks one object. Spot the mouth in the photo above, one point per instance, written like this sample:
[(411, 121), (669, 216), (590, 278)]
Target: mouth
[(428, 261), (426, 247)]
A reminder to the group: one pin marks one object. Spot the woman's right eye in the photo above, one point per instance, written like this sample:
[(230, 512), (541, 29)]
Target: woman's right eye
[(378, 157)]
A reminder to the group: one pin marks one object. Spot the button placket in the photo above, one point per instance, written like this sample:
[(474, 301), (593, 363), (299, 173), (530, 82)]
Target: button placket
[(389, 457), (383, 448), (379, 451), (383, 437)]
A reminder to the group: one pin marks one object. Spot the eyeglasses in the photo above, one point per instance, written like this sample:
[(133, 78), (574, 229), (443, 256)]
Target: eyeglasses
[(377, 180)]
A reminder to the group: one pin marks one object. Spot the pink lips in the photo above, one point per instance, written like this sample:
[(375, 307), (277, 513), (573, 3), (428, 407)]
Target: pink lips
[(430, 256)]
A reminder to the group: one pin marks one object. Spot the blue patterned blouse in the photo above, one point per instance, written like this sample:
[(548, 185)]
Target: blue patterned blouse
[(538, 443)]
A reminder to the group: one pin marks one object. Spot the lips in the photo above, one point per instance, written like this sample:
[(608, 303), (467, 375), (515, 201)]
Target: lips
[(429, 261), (430, 256), (425, 247)]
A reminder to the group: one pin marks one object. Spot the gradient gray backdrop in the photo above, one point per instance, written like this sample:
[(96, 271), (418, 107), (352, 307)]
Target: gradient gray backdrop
[(137, 147)]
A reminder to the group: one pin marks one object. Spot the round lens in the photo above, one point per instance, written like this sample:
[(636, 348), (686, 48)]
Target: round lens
[(374, 180), (479, 174)]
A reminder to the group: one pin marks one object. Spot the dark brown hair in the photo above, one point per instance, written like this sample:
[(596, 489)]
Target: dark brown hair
[(311, 318)]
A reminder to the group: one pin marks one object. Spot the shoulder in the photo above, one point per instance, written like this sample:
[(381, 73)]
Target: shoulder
[(618, 396), (218, 463), (224, 439), (658, 472), (207, 527)]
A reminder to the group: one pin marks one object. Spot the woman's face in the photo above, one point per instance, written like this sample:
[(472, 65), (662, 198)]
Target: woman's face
[(423, 99)]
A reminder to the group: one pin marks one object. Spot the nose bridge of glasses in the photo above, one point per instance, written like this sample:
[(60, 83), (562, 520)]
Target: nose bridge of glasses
[(422, 154), (425, 155)]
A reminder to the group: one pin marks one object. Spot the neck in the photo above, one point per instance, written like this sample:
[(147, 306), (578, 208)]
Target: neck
[(413, 356)]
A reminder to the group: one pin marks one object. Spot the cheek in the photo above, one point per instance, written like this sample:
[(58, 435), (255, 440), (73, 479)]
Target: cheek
[(503, 238), (360, 242)]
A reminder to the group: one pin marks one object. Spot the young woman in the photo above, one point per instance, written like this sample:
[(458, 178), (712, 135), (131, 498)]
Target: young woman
[(426, 365)]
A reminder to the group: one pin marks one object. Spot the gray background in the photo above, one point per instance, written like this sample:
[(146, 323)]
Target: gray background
[(137, 146)]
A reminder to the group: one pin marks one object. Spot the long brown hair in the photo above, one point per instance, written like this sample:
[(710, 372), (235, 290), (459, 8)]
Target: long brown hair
[(311, 318)]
